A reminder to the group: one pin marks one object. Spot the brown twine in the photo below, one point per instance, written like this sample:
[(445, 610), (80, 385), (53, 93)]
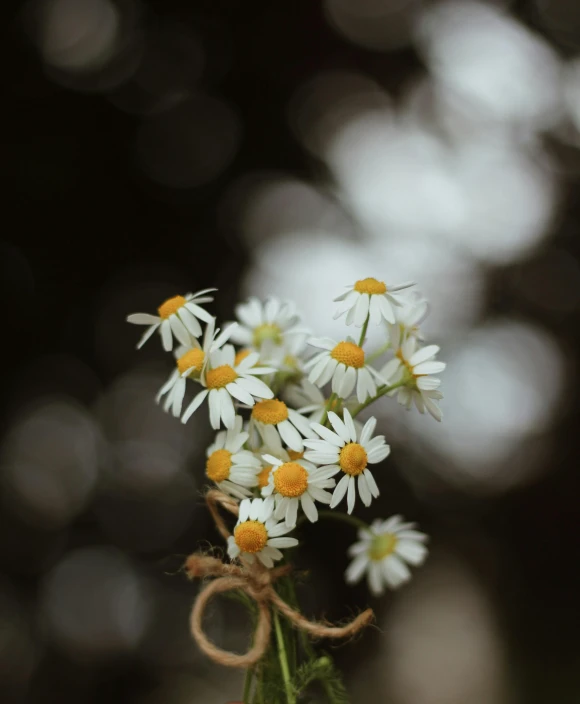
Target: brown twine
[(256, 581)]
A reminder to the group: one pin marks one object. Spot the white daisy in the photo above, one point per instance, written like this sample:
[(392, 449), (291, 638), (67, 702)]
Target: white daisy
[(408, 317), (258, 534), (177, 316), (348, 450), (369, 297), (277, 423), (296, 482), (383, 553), (233, 469), (274, 322), (415, 367), (344, 364), (190, 362), (223, 380)]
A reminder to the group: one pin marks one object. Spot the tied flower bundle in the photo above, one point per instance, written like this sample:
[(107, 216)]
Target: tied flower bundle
[(290, 449)]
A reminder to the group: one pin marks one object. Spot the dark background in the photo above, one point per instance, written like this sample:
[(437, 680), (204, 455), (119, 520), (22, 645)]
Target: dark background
[(115, 199)]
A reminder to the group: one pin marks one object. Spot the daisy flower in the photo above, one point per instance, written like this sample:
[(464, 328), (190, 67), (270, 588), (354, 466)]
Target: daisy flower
[(369, 297), (344, 364), (190, 362), (224, 380), (415, 367), (229, 466), (272, 322), (276, 423), (408, 317), (296, 482), (177, 316), (383, 553), (258, 535), (349, 451)]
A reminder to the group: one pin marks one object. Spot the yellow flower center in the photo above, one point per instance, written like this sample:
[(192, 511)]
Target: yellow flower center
[(350, 354), (270, 412), (171, 306), (293, 455), (220, 376), (241, 355), (192, 360), (291, 479), (267, 331), (264, 476), (353, 459), (251, 536), (218, 465), (382, 546), (370, 286)]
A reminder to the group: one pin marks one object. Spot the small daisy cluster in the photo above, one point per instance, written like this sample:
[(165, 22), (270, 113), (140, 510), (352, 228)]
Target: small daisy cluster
[(285, 406)]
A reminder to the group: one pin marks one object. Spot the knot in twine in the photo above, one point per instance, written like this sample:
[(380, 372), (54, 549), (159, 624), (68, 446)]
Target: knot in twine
[(257, 582)]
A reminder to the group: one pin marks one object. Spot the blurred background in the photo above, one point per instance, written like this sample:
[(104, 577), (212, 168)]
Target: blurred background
[(289, 148)]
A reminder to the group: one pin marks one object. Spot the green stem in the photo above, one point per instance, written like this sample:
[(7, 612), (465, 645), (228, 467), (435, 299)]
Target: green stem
[(364, 331), (248, 685), (327, 408), (381, 392), (345, 518), (283, 659), (377, 353)]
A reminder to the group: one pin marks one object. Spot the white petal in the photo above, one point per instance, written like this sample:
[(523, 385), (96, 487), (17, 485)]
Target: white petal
[(166, 336), (290, 435), (179, 330), (368, 430), (282, 542), (309, 508), (178, 394), (373, 488), (241, 394), (214, 409), (198, 312), (395, 571), (423, 354), (292, 512), (143, 319), (348, 421), (363, 490), (351, 498), (339, 427), (190, 322), (194, 405), (300, 422), (386, 310), (255, 387), (415, 553), (278, 529), (375, 579), (340, 491), (255, 509), (378, 454), (244, 511), (265, 559), (147, 335), (357, 568), (327, 435), (227, 409), (348, 383), (361, 310)]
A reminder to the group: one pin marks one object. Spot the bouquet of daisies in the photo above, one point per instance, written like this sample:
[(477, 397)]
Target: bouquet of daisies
[(290, 448)]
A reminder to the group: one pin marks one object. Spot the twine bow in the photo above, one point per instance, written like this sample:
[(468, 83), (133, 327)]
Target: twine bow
[(257, 582)]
